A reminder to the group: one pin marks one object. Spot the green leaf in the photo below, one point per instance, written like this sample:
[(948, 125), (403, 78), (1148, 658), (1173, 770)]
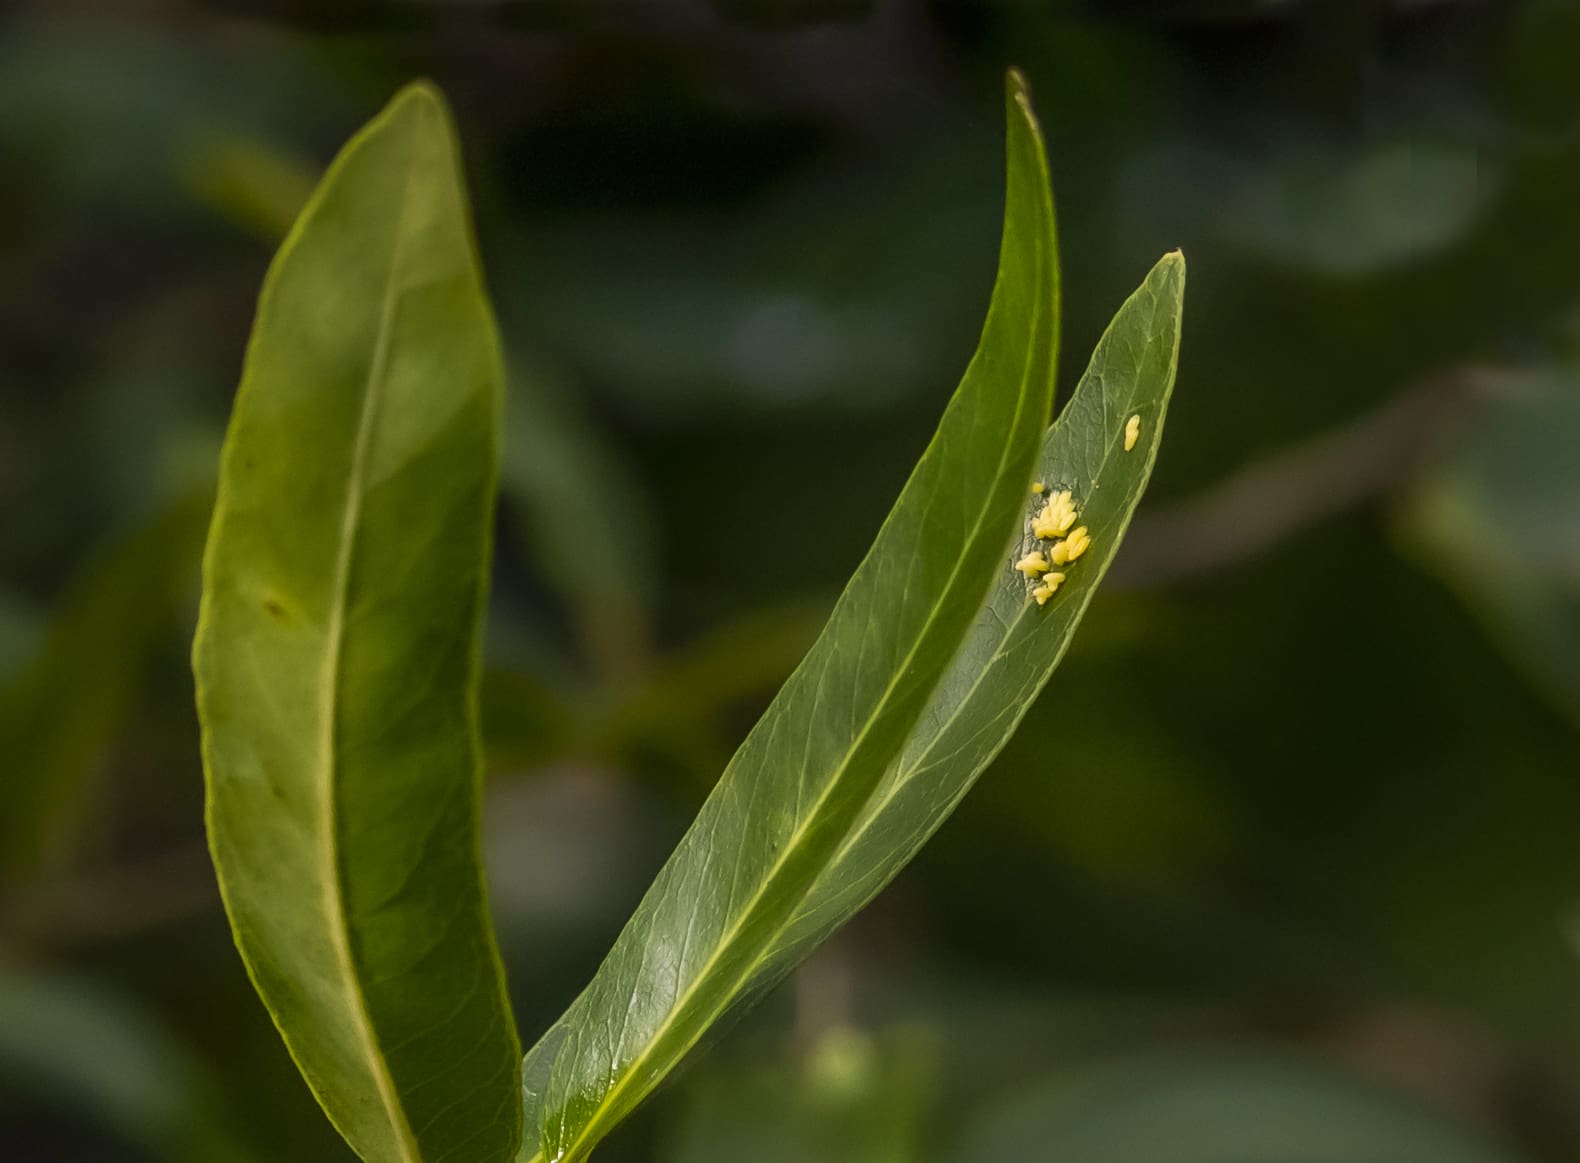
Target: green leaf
[(1014, 645), (337, 653), (854, 1098), (1495, 515), (526, 723), (98, 1057), (1218, 1108), (1357, 213), (64, 707), (680, 707), (21, 631), (252, 182), (585, 519), (712, 929)]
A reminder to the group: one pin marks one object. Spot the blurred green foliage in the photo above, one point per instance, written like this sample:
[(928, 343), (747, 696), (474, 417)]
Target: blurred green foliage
[(1500, 514), (95, 1060), (1206, 1108), (848, 1096), (1318, 756)]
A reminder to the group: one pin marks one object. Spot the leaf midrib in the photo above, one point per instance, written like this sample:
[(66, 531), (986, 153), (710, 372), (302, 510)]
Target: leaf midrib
[(903, 779), (329, 688), (631, 1069)]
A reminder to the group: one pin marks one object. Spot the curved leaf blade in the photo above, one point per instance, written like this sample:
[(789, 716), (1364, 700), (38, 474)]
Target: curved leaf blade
[(799, 782), (336, 655), (1015, 645)]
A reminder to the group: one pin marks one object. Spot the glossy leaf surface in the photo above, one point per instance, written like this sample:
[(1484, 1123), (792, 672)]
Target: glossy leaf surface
[(1014, 645), (336, 655), (703, 936)]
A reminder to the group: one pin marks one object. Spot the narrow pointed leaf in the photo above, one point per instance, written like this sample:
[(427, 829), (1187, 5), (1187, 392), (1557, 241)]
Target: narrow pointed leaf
[(336, 655), (1015, 645), (796, 789)]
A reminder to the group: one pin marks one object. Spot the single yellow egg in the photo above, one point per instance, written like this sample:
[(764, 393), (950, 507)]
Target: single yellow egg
[(1032, 564)]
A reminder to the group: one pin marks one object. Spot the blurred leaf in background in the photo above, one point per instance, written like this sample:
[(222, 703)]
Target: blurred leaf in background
[(851, 1096), (94, 1056), (1499, 515), (1226, 1108), (585, 521), (64, 708)]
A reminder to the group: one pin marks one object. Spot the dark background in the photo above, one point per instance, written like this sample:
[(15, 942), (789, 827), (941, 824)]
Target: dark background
[(1305, 795)]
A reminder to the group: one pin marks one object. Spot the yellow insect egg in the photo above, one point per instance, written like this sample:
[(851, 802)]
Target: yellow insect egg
[(1032, 564), (1056, 517), (1132, 432), (1039, 488), (1075, 544), (1050, 584)]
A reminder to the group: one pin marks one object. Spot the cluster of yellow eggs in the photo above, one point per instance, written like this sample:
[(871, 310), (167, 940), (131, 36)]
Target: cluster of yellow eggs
[(1056, 522)]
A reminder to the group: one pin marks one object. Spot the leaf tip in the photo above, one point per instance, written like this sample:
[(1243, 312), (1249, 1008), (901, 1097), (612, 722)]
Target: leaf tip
[(1017, 96), (420, 101), (1168, 275), (421, 92)]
